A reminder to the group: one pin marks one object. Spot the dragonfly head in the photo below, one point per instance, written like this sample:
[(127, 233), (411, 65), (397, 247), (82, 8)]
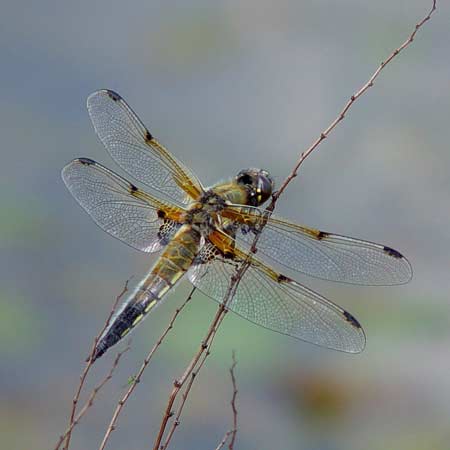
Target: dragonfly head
[(259, 185)]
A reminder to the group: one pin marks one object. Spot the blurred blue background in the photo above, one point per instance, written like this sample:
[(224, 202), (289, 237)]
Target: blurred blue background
[(226, 85)]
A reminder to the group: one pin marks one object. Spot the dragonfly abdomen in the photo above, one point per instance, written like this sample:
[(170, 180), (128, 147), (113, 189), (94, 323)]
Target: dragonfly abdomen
[(131, 313), (167, 271)]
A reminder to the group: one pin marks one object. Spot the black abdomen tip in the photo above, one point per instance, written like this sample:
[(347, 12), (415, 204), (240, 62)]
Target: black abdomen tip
[(99, 350)]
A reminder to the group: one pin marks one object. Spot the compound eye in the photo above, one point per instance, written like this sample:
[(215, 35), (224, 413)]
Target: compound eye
[(245, 178), (264, 189)]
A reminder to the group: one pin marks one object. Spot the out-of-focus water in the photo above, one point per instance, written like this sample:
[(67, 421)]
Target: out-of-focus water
[(228, 85)]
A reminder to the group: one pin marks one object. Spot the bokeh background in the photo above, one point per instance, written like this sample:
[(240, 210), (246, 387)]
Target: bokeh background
[(226, 85)]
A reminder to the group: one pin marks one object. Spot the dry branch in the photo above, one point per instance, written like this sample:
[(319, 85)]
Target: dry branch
[(189, 371), (91, 398), (233, 402), (240, 271), (233, 431), (224, 440), (348, 105), (73, 421), (199, 358), (137, 378)]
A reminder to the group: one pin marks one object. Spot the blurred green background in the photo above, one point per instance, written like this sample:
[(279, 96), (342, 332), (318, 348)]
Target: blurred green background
[(226, 85)]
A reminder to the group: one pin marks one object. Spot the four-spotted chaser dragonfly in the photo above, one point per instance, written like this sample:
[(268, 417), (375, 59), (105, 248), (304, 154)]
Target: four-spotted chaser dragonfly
[(205, 233)]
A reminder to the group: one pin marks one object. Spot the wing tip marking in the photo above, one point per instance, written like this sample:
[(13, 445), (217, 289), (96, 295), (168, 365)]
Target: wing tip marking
[(352, 320), (148, 136), (86, 161), (283, 278), (112, 95), (392, 252)]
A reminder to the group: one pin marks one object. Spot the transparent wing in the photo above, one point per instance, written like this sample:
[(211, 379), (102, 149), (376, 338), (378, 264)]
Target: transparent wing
[(276, 302), (119, 207), (135, 150), (318, 253)]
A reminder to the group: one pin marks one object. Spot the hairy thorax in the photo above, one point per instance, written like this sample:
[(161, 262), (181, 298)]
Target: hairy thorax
[(204, 215)]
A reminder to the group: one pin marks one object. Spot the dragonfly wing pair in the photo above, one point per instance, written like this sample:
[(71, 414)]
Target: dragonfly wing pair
[(276, 302), (148, 223), (318, 253)]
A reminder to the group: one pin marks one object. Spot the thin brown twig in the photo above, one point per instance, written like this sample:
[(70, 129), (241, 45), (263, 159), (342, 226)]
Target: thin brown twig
[(240, 271), (90, 401), (224, 440), (136, 379), (233, 402), (178, 383), (348, 105), (86, 370), (233, 431), (193, 376), (185, 395), (204, 347)]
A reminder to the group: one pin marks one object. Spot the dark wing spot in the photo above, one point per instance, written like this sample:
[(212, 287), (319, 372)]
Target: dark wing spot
[(148, 136), (391, 252), (351, 319), (133, 188), (322, 234), (227, 254), (161, 214), (113, 95), (86, 161), (282, 278)]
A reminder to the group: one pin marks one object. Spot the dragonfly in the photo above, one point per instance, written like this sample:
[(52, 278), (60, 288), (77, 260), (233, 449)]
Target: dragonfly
[(205, 234)]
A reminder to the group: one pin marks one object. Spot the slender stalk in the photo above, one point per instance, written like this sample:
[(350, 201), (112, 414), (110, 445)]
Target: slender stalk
[(136, 379), (178, 384), (91, 398), (233, 402), (224, 440), (233, 431), (240, 271), (85, 372), (349, 104), (184, 396)]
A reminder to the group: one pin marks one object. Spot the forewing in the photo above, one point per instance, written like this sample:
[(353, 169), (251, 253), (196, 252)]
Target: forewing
[(135, 150), (318, 253), (119, 207), (276, 302)]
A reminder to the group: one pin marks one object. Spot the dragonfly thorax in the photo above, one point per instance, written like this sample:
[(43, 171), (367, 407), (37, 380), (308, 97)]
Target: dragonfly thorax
[(204, 215)]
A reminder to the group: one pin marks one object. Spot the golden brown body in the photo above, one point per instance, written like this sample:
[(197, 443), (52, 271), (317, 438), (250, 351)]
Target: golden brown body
[(201, 218), (208, 233)]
